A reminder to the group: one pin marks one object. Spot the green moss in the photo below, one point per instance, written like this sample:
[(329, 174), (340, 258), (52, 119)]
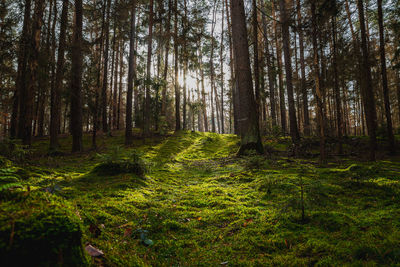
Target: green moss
[(42, 229), (201, 205)]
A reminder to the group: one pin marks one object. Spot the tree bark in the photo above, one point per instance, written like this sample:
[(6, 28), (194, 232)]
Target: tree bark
[(294, 133), (177, 90), (76, 80), (56, 92), (131, 75), (338, 103), (248, 116), (26, 116), (307, 130), (282, 104), (20, 84), (317, 80), (147, 117), (369, 103), (385, 87)]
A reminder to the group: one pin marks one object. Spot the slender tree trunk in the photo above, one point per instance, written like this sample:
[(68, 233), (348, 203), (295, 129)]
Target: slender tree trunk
[(222, 70), (338, 104), (105, 70), (255, 55), (131, 76), (177, 90), (20, 85), (147, 117), (115, 92), (167, 47), (270, 70), (185, 66), (386, 96), (76, 80), (317, 80), (56, 92), (369, 103), (248, 116), (32, 73), (282, 103), (303, 72), (288, 69), (121, 74), (203, 91), (234, 102), (212, 78)]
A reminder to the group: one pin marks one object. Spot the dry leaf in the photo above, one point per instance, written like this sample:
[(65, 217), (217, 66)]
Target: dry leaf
[(94, 252)]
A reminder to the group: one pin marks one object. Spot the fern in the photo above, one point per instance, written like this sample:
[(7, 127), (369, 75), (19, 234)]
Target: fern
[(9, 179)]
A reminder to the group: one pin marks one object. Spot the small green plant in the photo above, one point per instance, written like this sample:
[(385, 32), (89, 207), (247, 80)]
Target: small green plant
[(254, 162), (14, 151), (115, 163), (9, 179)]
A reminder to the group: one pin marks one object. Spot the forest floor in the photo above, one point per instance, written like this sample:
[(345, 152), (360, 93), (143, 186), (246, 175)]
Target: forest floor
[(200, 205)]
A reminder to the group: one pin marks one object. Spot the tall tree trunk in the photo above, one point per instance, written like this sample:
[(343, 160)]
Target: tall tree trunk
[(147, 117), (294, 132), (167, 47), (248, 116), (212, 78), (317, 80), (131, 76), (44, 81), (255, 55), (338, 103), (385, 88), (185, 66), (121, 74), (369, 103), (76, 80), (282, 103), (105, 70), (222, 70), (177, 90), (234, 102), (33, 61), (203, 91), (270, 70), (303, 72), (20, 84), (56, 92), (115, 91)]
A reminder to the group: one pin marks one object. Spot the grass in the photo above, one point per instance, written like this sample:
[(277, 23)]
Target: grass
[(202, 206)]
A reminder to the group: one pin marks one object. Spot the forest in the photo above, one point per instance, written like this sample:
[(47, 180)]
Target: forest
[(199, 133)]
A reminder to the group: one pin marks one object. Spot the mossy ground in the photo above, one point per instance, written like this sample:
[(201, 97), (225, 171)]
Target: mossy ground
[(202, 206)]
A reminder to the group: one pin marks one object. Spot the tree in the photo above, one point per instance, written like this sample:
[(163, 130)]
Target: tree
[(148, 76), (369, 103), (56, 92), (76, 80), (318, 89), (248, 116), (105, 70), (288, 69), (385, 88), (177, 90), (26, 104), (303, 71), (131, 75), (20, 83)]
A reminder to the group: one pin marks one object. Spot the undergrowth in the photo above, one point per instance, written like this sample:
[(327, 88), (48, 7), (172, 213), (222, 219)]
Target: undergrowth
[(187, 200)]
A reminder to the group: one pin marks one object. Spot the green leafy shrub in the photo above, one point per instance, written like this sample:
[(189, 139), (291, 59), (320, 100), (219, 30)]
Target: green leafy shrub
[(9, 179), (41, 229), (14, 151), (115, 163)]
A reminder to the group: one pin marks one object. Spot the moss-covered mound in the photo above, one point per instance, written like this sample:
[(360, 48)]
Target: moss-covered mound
[(40, 230)]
